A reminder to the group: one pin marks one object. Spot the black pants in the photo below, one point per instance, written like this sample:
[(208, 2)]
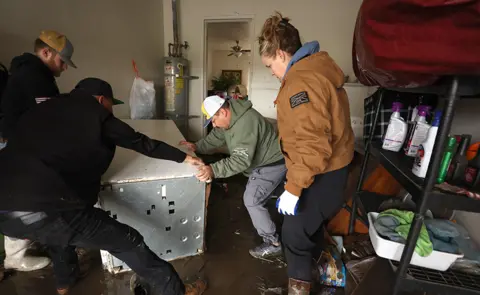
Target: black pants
[(300, 232), (93, 228)]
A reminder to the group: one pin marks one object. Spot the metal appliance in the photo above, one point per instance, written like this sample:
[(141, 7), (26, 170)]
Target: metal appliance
[(176, 72)]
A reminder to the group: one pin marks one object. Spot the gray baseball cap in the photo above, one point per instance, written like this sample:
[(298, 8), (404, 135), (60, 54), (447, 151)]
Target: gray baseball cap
[(60, 44)]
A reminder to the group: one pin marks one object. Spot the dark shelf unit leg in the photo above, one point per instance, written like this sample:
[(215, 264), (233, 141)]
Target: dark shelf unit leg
[(353, 217), (430, 179)]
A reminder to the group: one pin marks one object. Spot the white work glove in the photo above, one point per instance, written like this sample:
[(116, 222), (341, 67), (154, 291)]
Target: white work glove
[(287, 204)]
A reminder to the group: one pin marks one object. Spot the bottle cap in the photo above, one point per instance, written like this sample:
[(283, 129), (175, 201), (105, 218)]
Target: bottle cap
[(422, 110), (396, 106), (452, 142)]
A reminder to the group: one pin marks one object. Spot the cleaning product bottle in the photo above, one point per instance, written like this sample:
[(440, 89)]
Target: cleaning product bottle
[(456, 171), (396, 131), (415, 109), (424, 153), (472, 172), (419, 132), (446, 159)]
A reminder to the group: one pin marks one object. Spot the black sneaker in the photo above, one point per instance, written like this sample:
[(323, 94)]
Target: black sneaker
[(266, 250)]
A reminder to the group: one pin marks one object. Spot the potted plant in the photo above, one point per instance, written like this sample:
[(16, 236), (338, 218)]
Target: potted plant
[(224, 82)]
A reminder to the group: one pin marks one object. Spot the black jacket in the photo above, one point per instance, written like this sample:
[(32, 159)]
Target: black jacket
[(61, 149), (30, 79)]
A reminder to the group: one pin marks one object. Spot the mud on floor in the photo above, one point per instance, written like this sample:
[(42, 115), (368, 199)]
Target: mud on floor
[(226, 264)]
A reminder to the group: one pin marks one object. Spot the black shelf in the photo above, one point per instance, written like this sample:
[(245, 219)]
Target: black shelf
[(468, 87), (437, 282), (423, 193), (400, 166)]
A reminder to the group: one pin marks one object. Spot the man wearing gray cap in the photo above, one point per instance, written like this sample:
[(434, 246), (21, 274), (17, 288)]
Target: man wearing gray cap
[(32, 77), (32, 81)]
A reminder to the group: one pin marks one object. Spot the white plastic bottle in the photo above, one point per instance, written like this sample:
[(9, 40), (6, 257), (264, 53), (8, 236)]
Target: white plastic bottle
[(424, 153), (419, 133), (396, 131)]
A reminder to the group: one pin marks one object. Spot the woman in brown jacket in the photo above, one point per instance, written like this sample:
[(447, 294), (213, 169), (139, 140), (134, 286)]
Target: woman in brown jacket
[(316, 138)]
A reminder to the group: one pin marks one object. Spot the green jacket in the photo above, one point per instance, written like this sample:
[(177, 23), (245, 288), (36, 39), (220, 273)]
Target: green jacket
[(251, 140)]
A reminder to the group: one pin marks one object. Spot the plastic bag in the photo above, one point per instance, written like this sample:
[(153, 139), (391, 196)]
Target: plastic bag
[(331, 269), (143, 104)]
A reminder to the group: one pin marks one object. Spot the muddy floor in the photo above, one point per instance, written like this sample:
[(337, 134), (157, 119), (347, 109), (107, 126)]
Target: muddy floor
[(226, 264)]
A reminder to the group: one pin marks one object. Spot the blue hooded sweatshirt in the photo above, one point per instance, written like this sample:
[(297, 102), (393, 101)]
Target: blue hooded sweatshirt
[(307, 49)]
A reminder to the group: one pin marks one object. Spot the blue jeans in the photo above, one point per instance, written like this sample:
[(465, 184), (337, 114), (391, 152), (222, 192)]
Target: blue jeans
[(92, 228)]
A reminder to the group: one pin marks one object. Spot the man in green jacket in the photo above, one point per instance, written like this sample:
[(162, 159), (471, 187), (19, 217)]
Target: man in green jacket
[(254, 150)]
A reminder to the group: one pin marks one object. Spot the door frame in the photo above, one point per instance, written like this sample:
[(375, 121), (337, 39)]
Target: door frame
[(234, 19)]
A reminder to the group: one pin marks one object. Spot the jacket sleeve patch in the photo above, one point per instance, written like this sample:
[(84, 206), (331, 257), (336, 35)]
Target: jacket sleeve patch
[(298, 99)]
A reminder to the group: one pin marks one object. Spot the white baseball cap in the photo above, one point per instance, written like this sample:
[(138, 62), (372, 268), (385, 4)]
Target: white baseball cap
[(210, 107)]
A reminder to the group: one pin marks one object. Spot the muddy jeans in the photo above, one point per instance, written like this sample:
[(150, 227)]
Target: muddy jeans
[(92, 228), (261, 183)]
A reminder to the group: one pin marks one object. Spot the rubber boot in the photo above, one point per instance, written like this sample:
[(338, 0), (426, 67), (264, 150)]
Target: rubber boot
[(17, 258), (296, 287)]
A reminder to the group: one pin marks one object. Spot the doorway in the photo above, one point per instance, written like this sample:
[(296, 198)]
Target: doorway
[(228, 58)]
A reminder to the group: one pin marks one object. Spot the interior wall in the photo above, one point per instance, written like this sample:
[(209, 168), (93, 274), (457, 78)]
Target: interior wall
[(331, 22), (106, 36), (221, 61)]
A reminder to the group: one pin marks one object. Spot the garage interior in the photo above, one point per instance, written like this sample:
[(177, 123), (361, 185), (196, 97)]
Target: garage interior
[(108, 35)]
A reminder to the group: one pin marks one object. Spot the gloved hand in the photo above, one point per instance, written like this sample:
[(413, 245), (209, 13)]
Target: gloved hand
[(287, 204)]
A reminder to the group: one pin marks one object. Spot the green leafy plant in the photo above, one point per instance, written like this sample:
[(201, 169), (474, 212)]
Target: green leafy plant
[(224, 82)]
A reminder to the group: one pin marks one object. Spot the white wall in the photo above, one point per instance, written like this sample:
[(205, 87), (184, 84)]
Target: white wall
[(106, 35), (221, 61), (331, 22)]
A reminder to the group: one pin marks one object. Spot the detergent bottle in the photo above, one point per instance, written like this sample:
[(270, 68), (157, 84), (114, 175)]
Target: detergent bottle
[(396, 131), (424, 153), (418, 133)]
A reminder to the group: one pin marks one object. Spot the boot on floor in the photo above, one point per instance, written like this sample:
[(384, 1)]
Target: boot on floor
[(138, 286), (84, 270), (297, 287), (16, 256)]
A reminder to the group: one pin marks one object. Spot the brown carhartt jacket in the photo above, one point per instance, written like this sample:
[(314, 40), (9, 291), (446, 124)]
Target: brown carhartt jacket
[(314, 125)]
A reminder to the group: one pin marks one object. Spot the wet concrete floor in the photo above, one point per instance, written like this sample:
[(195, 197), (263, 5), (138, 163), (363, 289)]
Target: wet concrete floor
[(226, 264)]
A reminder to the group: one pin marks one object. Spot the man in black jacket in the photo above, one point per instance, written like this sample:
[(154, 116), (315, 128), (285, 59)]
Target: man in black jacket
[(32, 77), (32, 81), (50, 181)]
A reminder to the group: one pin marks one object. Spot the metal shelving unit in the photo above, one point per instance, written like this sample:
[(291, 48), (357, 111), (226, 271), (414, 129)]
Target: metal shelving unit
[(410, 278)]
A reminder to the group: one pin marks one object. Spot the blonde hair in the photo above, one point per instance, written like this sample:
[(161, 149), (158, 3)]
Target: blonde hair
[(278, 34)]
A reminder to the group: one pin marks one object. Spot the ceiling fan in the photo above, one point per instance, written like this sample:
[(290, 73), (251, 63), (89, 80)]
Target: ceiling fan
[(237, 50)]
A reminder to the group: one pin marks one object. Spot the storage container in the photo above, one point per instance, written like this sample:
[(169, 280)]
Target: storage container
[(392, 250)]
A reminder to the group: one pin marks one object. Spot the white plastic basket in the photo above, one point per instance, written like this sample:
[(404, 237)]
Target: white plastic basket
[(392, 250)]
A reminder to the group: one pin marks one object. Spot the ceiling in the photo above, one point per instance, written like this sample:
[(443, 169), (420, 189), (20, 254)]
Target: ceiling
[(222, 36)]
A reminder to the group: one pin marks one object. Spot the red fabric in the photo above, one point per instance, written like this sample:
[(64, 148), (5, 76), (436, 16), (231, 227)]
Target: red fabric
[(410, 43)]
